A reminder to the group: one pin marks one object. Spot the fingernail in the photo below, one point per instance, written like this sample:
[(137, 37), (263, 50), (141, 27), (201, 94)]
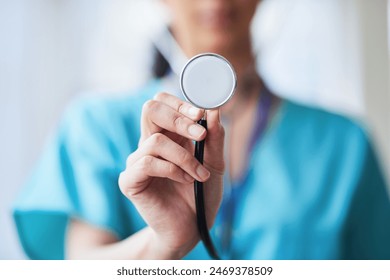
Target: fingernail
[(202, 172), (194, 112), (188, 178), (196, 130)]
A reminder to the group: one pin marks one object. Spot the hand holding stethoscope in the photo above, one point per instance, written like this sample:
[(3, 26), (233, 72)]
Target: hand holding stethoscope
[(160, 174)]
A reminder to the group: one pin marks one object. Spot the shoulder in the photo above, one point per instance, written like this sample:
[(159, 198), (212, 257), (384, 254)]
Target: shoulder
[(104, 125), (321, 126), (107, 114), (105, 109), (334, 142)]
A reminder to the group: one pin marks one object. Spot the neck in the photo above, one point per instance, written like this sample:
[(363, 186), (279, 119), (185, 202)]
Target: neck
[(248, 80), (241, 58), (249, 83)]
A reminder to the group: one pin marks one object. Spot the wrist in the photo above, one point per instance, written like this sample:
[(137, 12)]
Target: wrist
[(164, 251)]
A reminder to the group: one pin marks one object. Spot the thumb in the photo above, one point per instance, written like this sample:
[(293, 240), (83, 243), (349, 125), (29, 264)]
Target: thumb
[(214, 143)]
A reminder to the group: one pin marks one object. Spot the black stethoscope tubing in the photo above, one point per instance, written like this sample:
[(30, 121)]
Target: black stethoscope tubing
[(199, 153)]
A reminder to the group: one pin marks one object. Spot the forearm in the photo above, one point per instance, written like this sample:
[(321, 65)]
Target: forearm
[(86, 242)]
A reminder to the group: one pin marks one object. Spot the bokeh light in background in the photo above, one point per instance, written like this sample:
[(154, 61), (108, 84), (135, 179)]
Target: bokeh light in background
[(51, 51)]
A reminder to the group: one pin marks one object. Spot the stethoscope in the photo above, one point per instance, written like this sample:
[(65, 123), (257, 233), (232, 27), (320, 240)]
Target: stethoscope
[(207, 81)]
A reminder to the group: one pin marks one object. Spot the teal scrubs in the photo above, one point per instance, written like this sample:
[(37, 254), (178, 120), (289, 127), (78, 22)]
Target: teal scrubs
[(313, 189)]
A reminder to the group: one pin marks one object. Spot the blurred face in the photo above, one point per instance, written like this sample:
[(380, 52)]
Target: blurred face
[(221, 26)]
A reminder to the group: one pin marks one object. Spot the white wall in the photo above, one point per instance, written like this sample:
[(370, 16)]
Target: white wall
[(38, 76), (51, 50), (334, 54), (374, 59)]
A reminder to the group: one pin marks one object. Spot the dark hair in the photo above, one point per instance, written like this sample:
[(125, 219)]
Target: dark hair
[(160, 67)]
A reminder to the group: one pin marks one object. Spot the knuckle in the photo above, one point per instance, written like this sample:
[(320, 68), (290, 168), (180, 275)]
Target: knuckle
[(186, 159), (180, 107), (177, 120), (129, 160), (158, 139), (161, 96), (149, 106), (172, 169), (122, 182), (146, 162)]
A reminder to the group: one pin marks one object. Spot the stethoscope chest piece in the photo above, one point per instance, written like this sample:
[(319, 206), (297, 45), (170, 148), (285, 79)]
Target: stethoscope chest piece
[(208, 81)]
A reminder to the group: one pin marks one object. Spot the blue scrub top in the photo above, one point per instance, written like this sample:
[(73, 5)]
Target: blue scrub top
[(313, 189)]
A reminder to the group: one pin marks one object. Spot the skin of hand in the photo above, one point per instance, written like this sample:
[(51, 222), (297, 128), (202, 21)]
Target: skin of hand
[(159, 175)]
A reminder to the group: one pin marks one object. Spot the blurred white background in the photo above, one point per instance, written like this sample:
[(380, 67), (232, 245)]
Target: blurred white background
[(330, 53)]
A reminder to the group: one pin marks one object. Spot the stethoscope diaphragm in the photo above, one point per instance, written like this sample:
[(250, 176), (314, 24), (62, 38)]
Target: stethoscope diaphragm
[(208, 81)]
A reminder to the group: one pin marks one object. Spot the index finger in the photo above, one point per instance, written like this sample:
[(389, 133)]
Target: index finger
[(157, 117), (180, 106)]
